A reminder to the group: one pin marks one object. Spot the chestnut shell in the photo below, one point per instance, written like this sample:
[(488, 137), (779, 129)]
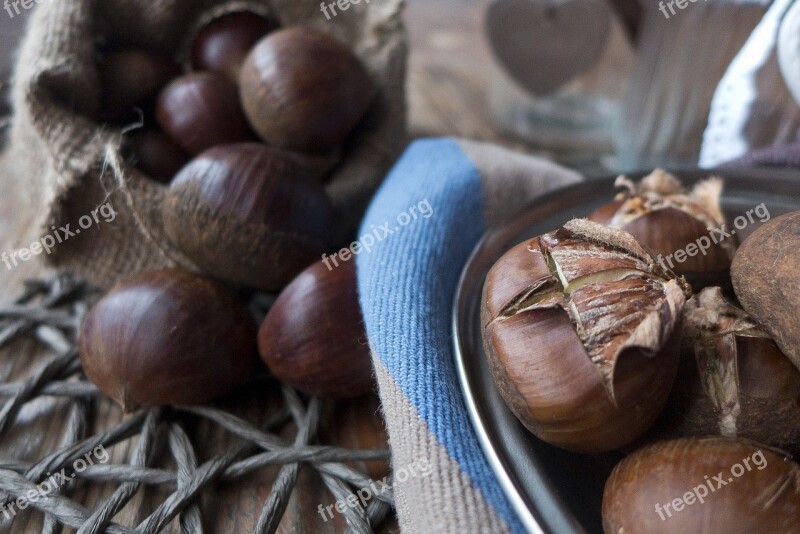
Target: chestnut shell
[(168, 337), (733, 379), (766, 278), (765, 498), (313, 338), (250, 214), (222, 45), (132, 78), (543, 368), (200, 111), (156, 154), (302, 89)]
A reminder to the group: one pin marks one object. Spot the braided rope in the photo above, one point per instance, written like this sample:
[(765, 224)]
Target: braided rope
[(50, 311)]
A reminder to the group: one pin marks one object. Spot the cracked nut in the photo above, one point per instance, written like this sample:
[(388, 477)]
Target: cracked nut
[(766, 278), (680, 228), (703, 486), (734, 380), (581, 328)]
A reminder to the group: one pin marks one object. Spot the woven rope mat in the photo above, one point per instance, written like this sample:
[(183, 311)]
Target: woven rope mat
[(161, 452)]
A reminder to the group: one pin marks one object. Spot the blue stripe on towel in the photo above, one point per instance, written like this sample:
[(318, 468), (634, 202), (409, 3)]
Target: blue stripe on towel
[(407, 286)]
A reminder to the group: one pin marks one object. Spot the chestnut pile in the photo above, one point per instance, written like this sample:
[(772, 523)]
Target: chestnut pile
[(597, 342), (245, 138)]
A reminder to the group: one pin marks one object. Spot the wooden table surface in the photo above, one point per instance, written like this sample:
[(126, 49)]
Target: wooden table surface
[(447, 86)]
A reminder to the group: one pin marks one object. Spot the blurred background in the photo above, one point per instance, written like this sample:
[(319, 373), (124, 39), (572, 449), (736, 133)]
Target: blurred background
[(600, 85)]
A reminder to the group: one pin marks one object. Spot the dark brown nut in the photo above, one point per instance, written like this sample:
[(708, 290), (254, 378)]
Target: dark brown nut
[(766, 278), (581, 328), (223, 44), (156, 154), (313, 337), (168, 337), (250, 214), (734, 380), (202, 110), (675, 225), (703, 486), (304, 90), (132, 79)]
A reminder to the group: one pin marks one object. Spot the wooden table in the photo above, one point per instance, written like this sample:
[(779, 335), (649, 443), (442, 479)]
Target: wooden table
[(447, 94)]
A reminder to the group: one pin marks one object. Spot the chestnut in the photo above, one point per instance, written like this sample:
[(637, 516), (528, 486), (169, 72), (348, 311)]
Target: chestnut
[(581, 328), (223, 44), (766, 278), (132, 78), (735, 381), (250, 214), (703, 486), (168, 337), (675, 224), (156, 154), (202, 110), (304, 90), (313, 337)]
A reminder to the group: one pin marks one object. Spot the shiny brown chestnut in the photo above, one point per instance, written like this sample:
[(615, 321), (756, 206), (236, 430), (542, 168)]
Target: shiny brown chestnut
[(734, 381), (168, 337), (223, 44), (581, 328), (201, 110), (304, 90), (132, 78), (703, 486), (250, 214), (313, 337), (766, 278), (681, 228), (156, 154)]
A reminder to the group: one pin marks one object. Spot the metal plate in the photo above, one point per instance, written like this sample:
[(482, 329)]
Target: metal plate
[(554, 491)]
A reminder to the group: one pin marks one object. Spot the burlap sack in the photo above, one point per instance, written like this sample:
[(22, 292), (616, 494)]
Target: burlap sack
[(71, 164)]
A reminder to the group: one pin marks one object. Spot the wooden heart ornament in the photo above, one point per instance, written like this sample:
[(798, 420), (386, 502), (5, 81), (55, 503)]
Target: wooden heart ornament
[(544, 44)]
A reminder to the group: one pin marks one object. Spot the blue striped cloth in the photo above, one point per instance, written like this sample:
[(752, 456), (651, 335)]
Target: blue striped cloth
[(419, 231)]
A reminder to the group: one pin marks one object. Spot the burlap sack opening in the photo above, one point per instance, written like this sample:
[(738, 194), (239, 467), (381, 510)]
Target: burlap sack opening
[(71, 164)]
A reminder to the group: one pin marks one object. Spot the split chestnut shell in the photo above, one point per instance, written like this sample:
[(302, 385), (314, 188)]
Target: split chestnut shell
[(581, 328)]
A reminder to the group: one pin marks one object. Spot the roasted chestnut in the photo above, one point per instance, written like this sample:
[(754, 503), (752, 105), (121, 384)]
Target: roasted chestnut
[(685, 231), (581, 327), (304, 90), (313, 337), (223, 44), (156, 154), (168, 337), (703, 486), (249, 213), (734, 381), (202, 110), (766, 278), (132, 78)]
